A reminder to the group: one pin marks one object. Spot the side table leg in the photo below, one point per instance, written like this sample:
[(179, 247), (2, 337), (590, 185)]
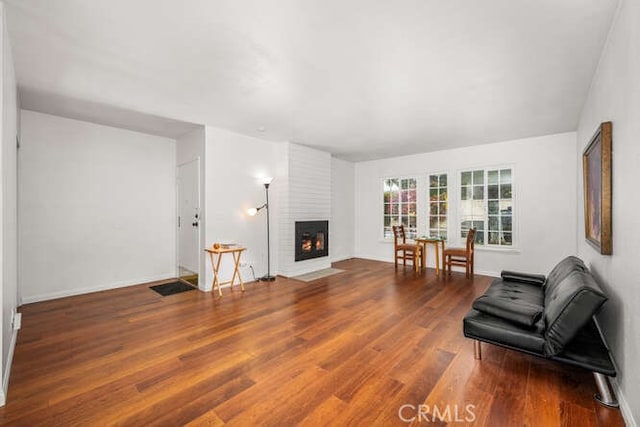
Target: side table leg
[(235, 269), (216, 279), (213, 267), (236, 259)]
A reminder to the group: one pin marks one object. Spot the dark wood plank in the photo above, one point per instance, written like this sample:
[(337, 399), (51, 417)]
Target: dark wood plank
[(347, 349)]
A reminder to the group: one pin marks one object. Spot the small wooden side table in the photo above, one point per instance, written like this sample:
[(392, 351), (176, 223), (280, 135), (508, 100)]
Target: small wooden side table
[(215, 254), (434, 241)]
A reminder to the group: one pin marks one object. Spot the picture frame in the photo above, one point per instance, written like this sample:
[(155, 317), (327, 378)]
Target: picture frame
[(596, 164)]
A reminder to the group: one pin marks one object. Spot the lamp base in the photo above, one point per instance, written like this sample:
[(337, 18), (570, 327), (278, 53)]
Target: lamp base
[(267, 278)]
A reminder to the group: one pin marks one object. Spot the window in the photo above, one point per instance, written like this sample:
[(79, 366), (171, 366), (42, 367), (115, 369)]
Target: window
[(399, 205), (438, 197), (486, 203)]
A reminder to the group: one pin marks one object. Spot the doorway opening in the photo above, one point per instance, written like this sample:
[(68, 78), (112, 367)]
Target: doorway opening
[(188, 198)]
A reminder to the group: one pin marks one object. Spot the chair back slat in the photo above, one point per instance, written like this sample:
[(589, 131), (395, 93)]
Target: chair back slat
[(399, 236), (471, 240)]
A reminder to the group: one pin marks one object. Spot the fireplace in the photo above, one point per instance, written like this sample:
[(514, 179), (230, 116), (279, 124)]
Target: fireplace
[(312, 239)]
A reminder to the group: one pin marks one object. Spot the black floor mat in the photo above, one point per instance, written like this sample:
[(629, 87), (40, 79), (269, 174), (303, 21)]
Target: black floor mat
[(172, 288)]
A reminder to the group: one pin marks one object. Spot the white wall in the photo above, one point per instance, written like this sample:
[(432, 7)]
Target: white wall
[(615, 96), (97, 207), (8, 214), (233, 165), (191, 146), (343, 196), (545, 180)]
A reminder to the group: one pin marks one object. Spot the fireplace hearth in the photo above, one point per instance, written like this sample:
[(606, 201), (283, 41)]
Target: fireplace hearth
[(312, 239)]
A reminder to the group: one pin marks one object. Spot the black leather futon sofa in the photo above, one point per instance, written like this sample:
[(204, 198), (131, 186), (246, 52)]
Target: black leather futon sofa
[(550, 317)]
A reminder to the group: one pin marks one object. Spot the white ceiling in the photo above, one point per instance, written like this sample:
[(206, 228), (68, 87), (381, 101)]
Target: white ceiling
[(362, 79)]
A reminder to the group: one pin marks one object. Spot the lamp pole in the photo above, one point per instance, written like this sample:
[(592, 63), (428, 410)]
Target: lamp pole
[(268, 277)]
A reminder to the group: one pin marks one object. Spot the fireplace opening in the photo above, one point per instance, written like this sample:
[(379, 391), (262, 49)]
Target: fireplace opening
[(312, 239)]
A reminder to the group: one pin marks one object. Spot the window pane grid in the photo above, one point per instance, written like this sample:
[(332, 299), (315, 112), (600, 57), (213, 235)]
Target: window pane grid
[(486, 203), (438, 199), (399, 206)]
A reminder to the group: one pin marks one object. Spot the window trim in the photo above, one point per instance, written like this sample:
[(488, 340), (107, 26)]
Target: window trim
[(427, 208), (515, 242), (381, 204)]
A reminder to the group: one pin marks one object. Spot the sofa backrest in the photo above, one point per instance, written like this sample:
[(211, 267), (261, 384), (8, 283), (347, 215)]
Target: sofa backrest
[(562, 270), (570, 300)]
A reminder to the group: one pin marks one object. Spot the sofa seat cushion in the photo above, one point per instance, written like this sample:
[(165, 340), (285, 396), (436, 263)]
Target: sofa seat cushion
[(490, 328), (569, 306)]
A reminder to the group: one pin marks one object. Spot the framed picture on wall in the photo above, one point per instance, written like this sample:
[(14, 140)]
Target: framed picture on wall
[(596, 163)]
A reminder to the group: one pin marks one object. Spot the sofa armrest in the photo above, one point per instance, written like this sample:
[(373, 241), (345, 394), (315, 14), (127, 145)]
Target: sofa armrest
[(514, 276), (519, 312)]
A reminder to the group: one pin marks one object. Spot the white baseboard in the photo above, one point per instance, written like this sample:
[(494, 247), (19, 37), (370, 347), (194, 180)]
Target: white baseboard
[(88, 290), (7, 368), (341, 258), (375, 258), (486, 273), (457, 269), (625, 409), (226, 285)]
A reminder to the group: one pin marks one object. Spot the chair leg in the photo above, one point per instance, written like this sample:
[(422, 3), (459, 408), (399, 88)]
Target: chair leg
[(395, 258)]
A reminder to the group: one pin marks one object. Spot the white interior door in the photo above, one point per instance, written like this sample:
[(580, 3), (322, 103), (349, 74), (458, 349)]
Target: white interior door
[(189, 220)]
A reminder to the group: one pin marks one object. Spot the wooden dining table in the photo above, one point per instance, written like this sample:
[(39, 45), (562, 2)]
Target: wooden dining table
[(426, 240)]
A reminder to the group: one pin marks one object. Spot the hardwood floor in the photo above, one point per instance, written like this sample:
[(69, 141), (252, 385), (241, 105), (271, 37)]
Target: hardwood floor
[(368, 346)]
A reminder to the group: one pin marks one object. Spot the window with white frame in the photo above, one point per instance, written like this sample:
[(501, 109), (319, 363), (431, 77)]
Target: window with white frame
[(486, 204), (438, 205), (399, 205)]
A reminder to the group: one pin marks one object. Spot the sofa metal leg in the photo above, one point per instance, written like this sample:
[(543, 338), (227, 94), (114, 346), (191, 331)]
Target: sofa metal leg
[(477, 350), (605, 396)]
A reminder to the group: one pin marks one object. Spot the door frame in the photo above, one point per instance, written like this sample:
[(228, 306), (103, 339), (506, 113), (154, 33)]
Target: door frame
[(200, 219)]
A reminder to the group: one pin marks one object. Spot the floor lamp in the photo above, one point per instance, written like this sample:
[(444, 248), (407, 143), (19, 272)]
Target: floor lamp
[(253, 211)]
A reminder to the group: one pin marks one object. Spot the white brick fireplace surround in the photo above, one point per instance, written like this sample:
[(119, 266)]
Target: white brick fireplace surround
[(304, 194)]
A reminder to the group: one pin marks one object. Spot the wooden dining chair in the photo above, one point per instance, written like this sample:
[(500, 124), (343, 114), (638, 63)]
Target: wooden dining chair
[(406, 251), (461, 256)]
